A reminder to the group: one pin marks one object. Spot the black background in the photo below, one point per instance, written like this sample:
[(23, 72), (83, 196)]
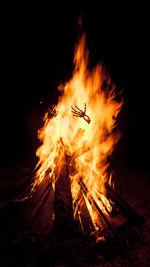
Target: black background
[(37, 46)]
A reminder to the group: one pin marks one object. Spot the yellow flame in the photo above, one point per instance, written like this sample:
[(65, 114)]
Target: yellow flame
[(88, 144)]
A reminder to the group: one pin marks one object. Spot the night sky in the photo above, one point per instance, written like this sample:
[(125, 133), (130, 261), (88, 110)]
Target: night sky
[(37, 54)]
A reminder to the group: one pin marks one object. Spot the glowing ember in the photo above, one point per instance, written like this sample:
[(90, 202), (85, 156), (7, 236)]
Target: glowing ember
[(87, 137)]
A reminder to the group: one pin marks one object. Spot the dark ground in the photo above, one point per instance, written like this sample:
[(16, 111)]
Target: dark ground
[(36, 55)]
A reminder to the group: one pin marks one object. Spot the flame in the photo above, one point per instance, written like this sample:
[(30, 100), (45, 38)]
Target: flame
[(87, 145)]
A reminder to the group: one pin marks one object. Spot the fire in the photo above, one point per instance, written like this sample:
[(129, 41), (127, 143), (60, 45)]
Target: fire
[(81, 127)]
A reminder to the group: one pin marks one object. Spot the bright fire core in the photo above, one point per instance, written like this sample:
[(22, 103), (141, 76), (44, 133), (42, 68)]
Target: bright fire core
[(87, 143)]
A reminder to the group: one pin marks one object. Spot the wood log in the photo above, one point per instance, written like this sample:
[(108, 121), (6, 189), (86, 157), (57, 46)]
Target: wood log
[(63, 209), (101, 214), (123, 205), (87, 225), (34, 204), (44, 221)]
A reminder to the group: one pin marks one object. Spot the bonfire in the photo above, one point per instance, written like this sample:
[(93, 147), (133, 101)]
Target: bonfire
[(81, 128)]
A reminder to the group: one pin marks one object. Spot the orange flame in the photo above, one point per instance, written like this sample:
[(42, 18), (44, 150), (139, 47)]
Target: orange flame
[(87, 144)]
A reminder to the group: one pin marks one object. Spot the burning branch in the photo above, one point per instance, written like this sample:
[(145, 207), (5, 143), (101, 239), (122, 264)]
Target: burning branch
[(79, 113), (91, 199)]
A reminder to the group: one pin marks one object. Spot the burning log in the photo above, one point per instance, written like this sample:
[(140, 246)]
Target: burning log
[(101, 214), (34, 204), (64, 220), (83, 217), (41, 224)]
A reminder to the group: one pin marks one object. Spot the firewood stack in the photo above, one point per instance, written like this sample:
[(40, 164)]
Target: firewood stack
[(52, 209), (64, 221)]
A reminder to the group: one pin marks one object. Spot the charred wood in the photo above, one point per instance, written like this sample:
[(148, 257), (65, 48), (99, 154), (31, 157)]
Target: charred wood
[(63, 209), (101, 214), (123, 205)]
